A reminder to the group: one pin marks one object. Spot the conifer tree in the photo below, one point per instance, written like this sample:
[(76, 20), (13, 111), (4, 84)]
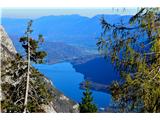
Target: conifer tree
[(32, 54), (133, 48), (87, 106), (40, 92)]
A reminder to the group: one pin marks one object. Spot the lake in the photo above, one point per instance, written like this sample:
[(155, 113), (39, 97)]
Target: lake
[(67, 80)]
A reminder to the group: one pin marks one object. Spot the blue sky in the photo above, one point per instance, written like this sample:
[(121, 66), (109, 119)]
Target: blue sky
[(89, 12)]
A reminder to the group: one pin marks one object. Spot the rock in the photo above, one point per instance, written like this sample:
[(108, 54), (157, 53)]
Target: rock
[(6, 41), (49, 108), (62, 97), (76, 107)]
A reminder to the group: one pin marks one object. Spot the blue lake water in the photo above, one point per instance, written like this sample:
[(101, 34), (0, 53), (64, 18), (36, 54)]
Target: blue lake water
[(67, 80)]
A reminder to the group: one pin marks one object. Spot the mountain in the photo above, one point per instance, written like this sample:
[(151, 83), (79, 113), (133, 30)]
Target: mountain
[(79, 32), (59, 52), (74, 29), (97, 70), (57, 102)]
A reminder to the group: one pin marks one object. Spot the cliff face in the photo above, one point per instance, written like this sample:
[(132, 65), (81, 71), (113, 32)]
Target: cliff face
[(7, 47), (58, 103)]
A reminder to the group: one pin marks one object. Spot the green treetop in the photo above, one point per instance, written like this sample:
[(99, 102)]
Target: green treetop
[(86, 106)]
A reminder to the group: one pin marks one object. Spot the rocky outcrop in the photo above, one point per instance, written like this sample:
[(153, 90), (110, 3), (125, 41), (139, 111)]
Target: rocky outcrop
[(7, 47), (7, 50), (59, 102)]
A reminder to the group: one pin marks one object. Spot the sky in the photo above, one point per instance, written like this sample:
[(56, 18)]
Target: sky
[(88, 12)]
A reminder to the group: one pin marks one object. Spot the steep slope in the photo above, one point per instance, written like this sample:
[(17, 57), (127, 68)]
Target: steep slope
[(7, 50), (98, 71), (58, 102)]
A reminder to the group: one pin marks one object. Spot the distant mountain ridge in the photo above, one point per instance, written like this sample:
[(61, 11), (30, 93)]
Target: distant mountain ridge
[(73, 29), (79, 32)]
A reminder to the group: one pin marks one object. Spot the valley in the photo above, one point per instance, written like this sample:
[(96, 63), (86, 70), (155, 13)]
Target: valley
[(72, 54)]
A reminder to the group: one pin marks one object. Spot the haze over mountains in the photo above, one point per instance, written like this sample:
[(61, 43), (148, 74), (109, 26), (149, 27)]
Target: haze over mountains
[(76, 35)]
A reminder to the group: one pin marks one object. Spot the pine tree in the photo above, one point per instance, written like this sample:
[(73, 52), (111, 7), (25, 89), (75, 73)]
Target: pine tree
[(134, 51), (31, 48), (87, 106), (18, 70), (40, 92)]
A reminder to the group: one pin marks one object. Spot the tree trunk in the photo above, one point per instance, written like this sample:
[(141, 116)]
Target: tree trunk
[(28, 77)]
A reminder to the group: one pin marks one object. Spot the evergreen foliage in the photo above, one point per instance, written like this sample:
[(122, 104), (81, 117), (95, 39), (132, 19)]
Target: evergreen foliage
[(134, 49), (15, 79), (30, 45), (36, 55), (15, 86), (87, 106)]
